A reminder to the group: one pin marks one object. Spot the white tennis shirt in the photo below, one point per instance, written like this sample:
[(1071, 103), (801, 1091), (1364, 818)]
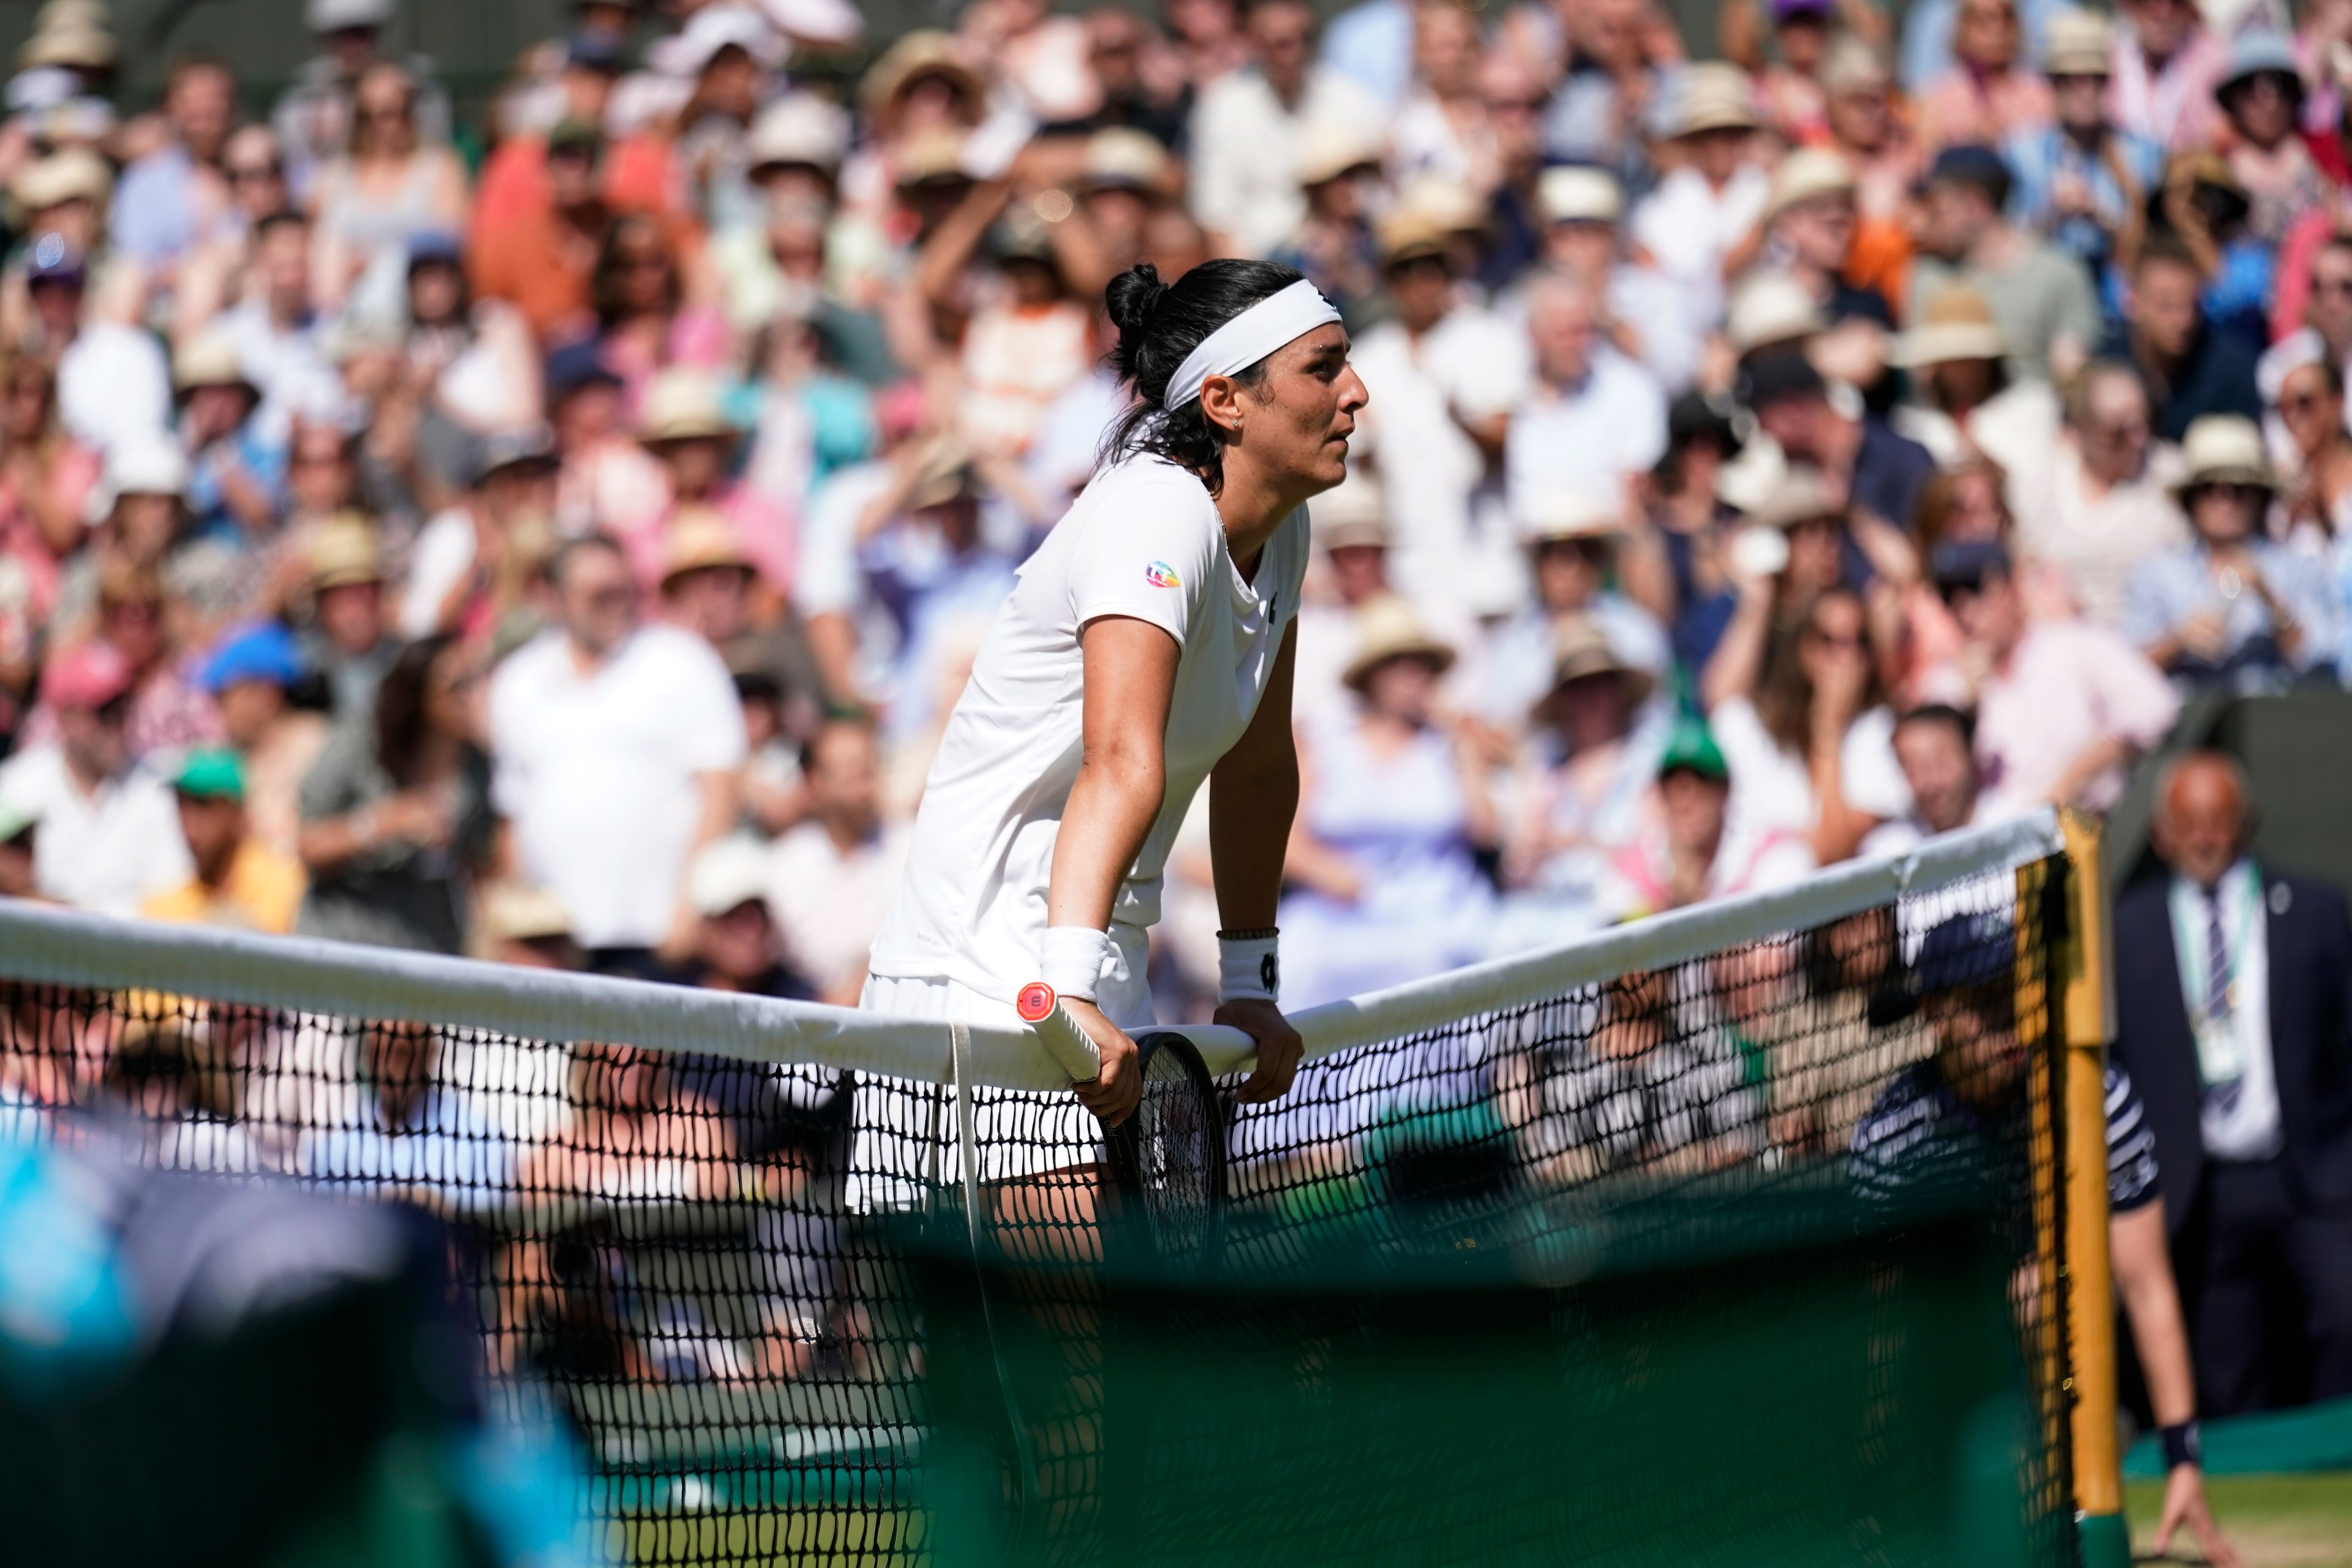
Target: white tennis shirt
[(1142, 540)]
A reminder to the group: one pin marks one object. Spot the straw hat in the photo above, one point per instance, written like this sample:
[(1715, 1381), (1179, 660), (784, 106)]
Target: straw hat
[(76, 45), (2223, 449), (1714, 96), (344, 551), (1771, 308), (1331, 147), (70, 174), (1387, 628), (926, 51), (682, 405), (936, 155), (1853, 65), (945, 472), (1355, 513), (2078, 43), (1807, 173), (1580, 649), (1409, 233), (1579, 193), (799, 128), (1802, 496), (210, 359), (512, 911), (1958, 324), (1568, 513), (699, 539), (1123, 158), (726, 876), (1448, 203)]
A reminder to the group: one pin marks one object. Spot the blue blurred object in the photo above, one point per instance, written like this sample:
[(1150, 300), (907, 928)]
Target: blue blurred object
[(264, 650)]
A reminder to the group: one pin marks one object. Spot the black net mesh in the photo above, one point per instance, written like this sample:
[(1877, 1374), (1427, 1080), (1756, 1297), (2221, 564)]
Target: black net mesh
[(708, 1258)]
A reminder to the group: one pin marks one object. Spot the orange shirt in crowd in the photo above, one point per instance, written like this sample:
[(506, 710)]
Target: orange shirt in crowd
[(263, 891)]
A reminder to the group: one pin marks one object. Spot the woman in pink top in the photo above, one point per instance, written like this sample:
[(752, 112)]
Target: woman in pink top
[(1989, 93), (647, 316)]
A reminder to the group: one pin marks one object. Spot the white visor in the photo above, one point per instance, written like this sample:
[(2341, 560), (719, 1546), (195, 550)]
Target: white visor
[(1248, 338)]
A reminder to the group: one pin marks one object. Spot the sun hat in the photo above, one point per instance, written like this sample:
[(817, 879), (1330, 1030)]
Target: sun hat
[(1569, 511), (1714, 97), (1579, 193), (1769, 308), (1802, 496), (799, 128), (1354, 513), (2223, 449), (682, 405), (726, 876), (1805, 174), (344, 551), (1329, 147), (210, 359), (1580, 649), (1958, 324), (2078, 43), (1387, 628), (699, 539)]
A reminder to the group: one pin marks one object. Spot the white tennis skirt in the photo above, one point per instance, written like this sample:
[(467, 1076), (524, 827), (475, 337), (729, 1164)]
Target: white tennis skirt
[(905, 1131)]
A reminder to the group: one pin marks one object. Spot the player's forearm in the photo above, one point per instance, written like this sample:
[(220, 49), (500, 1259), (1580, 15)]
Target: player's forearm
[(1250, 814), (1110, 809), (2143, 1269)]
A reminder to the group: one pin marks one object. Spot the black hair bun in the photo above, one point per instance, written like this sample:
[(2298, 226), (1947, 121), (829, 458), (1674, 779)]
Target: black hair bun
[(1132, 296)]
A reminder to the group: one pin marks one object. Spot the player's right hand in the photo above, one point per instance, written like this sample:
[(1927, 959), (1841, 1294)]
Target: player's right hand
[(1114, 1091)]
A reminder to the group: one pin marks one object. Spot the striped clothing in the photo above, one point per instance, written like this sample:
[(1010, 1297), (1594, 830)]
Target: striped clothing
[(1919, 1128)]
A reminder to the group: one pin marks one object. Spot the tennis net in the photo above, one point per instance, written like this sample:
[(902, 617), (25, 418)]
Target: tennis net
[(685, 1208)]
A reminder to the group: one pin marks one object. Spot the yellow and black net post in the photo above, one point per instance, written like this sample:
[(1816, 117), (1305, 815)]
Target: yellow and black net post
[(2087, 970)]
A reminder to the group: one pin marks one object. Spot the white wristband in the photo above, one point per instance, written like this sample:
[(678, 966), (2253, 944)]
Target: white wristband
[(1073, 959), (1247, 967)]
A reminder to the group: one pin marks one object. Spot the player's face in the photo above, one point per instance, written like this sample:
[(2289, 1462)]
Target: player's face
[(1308, 408), (1981, 1055)]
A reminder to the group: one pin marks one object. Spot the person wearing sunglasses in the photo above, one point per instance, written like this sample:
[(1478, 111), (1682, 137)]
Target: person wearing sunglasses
[(2230, 606), (2310, 405)]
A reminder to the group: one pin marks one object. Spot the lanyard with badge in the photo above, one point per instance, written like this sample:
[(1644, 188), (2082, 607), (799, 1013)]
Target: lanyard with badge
[(2215, 999)]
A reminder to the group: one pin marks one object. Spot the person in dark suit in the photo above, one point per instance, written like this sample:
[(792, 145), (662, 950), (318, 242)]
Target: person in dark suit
[(2233, 1014)]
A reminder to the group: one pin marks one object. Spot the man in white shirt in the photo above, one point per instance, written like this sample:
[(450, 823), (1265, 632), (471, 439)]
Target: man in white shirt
[(1591, 419), (1443, 376), (1249, 124), (616, 747), (113, 386), (830, 879), (109, 834)]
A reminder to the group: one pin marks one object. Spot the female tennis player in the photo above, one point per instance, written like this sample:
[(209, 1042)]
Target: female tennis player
[(1147, 647)]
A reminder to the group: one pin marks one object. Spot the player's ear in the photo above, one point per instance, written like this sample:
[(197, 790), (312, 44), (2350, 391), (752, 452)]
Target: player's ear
[(1221, 404)]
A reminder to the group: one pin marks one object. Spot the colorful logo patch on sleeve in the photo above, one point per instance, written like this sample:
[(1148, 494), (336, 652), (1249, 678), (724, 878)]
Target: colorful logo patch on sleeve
[(1160, 575)]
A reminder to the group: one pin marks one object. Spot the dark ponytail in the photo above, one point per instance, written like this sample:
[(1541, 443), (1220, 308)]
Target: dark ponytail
[(1158, 325)]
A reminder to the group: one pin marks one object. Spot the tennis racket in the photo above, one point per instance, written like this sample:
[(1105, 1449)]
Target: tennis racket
[(1058, 1032), (1168, 1160)]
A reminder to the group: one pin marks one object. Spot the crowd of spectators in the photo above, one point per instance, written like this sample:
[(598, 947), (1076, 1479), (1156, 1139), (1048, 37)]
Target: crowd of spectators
[(557, 532)]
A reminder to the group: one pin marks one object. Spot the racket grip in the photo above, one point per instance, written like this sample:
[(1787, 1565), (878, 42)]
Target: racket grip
[(1058, 1032)]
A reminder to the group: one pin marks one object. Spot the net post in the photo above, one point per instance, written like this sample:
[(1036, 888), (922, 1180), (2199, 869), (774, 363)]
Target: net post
[(2089, 1023)]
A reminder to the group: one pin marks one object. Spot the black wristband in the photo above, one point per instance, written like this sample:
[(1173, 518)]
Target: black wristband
[(2182, 1446), (1251, 933)]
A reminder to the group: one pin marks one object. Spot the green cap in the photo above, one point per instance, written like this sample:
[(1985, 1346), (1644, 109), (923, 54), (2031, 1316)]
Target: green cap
[(1691, 745), (211, 773)]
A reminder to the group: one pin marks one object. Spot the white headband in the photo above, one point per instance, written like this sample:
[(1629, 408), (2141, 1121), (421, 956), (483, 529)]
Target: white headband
[(1292, 312)]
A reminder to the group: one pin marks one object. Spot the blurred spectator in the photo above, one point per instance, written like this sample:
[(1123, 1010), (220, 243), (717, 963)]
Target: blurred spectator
[(168, 200), (1968, 402), (2063, 706), (1935, 745), (472, 564), (542, 256), (1856, 455), (2231, 1016), (1252, 127), (601, 720), (317, 119), (248, 677), (240, 879), (1590, 420), (237, 477), (2318, 501), (1393, 812), (2230, 605), (2040, 297), (736, 946), (2167, 65), (349, 641), (1990, 90), (1684, 853), (2321, 323), (1702, 216), (1865, 125), (416, 1136), (1624, 67), (831, 879), (114, 384), (1443, 377), (1580, 555), (2083, 181), (1338, 168), (1643, 312), (684, 426), (2193, 369), (389, 187), (2262, 93), (2103, 507), (108, 834), (1597, 746), (526, 926), (395, 815)]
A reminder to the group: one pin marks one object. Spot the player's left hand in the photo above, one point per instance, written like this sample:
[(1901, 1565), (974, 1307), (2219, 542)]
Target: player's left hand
[(1278, 1046), (2184, 1504)]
